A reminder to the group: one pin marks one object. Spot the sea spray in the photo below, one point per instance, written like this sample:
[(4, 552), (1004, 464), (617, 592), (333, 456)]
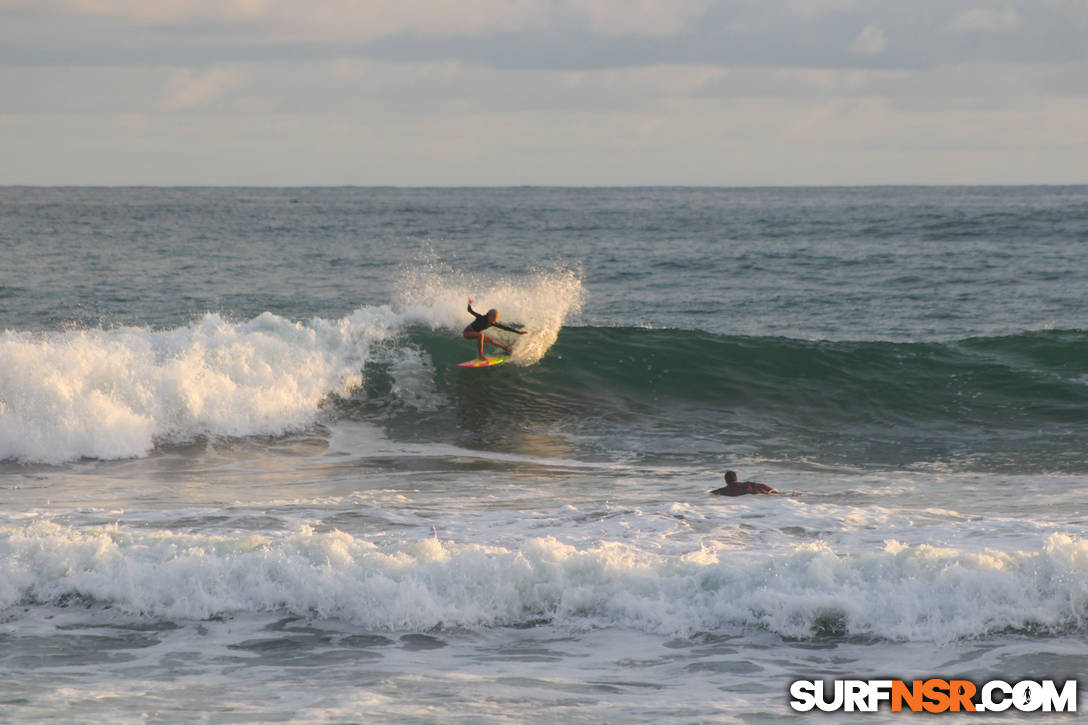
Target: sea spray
[(542, 301)]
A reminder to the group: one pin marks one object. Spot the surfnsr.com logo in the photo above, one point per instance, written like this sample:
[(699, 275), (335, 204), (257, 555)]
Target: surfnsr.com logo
[(933, 695)]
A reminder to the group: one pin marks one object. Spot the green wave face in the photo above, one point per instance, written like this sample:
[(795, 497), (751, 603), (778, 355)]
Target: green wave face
[(669, 396)]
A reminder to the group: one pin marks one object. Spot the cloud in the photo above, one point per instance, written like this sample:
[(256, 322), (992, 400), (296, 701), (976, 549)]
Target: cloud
[(185, 90), (330, 19), (537, 34), (378, 18), (638, 17), (813, 8), (542, 91), (162, 11), (132, 122), (870, 41), (989, 19)]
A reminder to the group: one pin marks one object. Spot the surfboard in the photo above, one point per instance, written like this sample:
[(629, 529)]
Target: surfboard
[(477, 363)]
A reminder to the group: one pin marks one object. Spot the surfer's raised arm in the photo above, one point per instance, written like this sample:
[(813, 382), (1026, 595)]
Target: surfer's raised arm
[(492, 317), (475, 330)]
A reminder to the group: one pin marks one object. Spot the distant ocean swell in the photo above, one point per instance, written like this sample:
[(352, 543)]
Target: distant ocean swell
[(914, 593)]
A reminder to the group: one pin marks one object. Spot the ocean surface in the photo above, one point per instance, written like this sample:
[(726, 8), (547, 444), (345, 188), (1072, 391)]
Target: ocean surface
[(243, 480)]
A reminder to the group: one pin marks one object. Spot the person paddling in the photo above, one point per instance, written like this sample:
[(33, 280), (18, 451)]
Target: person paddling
[(733, 487), (475, 329)]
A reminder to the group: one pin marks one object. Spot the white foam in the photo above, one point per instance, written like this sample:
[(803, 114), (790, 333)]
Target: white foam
[(112, 393), (900, 592)]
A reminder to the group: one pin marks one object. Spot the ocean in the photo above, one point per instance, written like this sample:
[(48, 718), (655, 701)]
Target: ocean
[(243, 480)]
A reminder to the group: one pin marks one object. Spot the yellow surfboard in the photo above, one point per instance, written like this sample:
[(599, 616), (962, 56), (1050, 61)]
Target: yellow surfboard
[(478, 363)]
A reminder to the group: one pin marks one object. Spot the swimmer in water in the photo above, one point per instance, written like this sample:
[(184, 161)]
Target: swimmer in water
[(733, 487), (475, 329)]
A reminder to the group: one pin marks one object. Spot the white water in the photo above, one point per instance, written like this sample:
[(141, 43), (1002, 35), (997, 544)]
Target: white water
[(117, 393), (114, 393), (671, 570)]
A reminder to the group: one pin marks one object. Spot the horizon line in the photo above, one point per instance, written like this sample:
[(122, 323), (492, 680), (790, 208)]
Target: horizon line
[(632, 187)]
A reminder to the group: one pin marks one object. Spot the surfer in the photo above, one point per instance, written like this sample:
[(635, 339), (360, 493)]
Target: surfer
[(475, 329), (733, 487)]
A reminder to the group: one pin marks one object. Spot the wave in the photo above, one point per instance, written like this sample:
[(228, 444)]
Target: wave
[(914, 593), (115, 393), (119, 392), (1027, 374), (1015, 401), (1010, 401)]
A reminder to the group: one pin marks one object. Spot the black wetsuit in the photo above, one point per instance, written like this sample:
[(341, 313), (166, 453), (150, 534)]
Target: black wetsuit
[(480, 323), (739, 488)]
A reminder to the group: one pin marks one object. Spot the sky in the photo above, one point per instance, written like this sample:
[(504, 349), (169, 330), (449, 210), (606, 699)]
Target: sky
[(543, 92)]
